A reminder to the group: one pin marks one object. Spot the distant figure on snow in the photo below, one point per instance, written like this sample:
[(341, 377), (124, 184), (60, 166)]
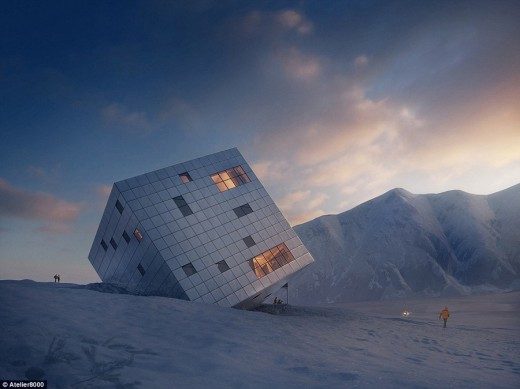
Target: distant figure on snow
[(58, 278), (445, 314), (55, 278)]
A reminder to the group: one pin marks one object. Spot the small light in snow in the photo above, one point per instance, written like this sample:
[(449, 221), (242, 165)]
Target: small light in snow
[(406, 313)]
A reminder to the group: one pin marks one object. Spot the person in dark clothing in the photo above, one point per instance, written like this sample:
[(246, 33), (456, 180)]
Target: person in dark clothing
[(58, 278), (55, 278)]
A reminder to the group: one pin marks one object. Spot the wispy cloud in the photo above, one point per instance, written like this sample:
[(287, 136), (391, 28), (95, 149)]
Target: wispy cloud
[(103, 191), (23, 204), (269, 23), (294, 20), (361, 61), (47, 175), (299, 65), (302, 205), (118, 115)]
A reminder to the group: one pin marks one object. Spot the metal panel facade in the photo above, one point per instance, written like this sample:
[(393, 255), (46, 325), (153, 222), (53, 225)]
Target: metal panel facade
[(190, 221)]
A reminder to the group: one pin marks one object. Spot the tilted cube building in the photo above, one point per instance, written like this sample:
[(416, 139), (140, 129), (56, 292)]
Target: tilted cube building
[(203, 230)]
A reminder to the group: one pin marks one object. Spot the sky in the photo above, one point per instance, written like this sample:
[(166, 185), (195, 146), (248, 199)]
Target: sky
[(332, 103)]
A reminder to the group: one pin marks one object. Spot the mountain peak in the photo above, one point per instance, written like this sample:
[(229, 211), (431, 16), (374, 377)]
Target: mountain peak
[(404, 244)]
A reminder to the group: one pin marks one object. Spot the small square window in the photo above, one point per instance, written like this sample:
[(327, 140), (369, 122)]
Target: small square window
[(222, 266), (246, 208), (186, 210), (113, 243), (119, 207), (189, 269), (185, 177), (238, 211), (141, 269), (104, 245), (126, 237), (242, 210), (138, 234), (249, 241)]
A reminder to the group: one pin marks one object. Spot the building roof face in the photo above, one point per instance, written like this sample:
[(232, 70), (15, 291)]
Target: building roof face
[(203, 230)]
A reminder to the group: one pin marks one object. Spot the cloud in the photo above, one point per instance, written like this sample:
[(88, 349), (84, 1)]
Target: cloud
[(317, 201), (290, 199), (351, 146), (44, 174), (23, 204), (361, 61), (294, 20), (299, 65), (103, 191), (181, 112), (118, 115), (269, 171), (272, 24), (55, 229), (302, 205)]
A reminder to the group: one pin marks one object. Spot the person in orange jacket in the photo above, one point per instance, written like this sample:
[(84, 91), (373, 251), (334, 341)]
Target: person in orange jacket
[(445, 314)]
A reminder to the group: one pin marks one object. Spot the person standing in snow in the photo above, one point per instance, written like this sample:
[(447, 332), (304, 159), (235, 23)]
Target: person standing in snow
[(55, 278), (58, 278), (445, 314)]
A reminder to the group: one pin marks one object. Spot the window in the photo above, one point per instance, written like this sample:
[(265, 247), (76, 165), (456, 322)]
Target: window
[(243, 210), (249, 241), (138, 234), (271, 260), (113, 243), (189, 269), (119, 207), (185, 177), (126, 237), (183, 206), (230, 178), (141, 269), (222, 266), (104, 245)]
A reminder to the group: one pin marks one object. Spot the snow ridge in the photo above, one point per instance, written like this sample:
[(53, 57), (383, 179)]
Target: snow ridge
[(402, 244)]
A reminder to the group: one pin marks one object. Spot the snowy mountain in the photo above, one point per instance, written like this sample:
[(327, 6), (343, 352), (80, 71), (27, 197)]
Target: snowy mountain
[(76, 337), (402, 244)]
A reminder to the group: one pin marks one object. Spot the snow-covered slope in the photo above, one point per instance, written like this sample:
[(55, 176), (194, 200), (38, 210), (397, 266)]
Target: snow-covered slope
[(401, 244), (80, 338)]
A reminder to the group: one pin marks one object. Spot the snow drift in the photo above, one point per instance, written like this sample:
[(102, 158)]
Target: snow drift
[(81, 338)]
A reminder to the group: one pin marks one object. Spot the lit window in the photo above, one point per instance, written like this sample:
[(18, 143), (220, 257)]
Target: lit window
[(141, 269), (104, 245), (113, 243), (183, 206), (222, 266), (270, 260), (126, 237), (138, 235), (230, 178), (185, 177), (249, 241), (189, 269), (242, 210), (119, 207)]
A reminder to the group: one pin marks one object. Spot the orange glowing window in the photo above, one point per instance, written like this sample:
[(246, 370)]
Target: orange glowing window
[(185, 177), (230, 178), (270, 260), (138, 235)]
